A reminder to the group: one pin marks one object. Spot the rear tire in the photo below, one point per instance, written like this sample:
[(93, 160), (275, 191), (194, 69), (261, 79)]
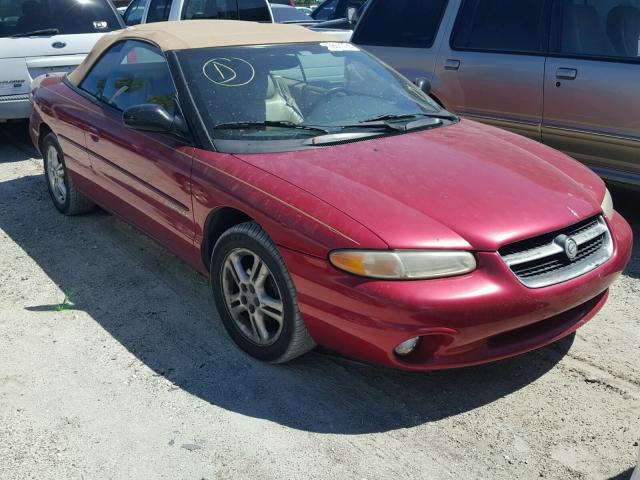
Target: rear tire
[(65, 195), (255, 296)]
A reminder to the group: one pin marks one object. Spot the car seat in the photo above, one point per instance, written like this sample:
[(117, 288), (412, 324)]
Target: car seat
[(583, 32), (623, 28)]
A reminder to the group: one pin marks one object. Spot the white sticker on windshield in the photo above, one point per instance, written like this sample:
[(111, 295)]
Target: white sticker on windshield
[(340, 47)]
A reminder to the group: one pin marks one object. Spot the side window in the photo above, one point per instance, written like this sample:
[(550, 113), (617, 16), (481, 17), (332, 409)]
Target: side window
[(254, 11), (607, 28), (95, 81), (134, 74), (325, 11), (401, 23), (502, 25), (159, 11), (210, 9), (135, 11)]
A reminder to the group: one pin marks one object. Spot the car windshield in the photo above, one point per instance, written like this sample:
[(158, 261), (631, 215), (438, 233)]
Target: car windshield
[(279, 92), (51, 17)]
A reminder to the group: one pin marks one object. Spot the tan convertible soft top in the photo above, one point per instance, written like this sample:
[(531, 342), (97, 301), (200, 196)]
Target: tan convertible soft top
[(188, 34)]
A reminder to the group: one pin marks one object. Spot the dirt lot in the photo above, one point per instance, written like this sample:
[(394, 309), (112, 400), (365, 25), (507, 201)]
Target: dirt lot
[(136, 378)]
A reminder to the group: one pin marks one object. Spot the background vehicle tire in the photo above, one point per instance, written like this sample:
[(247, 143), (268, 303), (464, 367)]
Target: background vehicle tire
[(255, 296), (64, 194)]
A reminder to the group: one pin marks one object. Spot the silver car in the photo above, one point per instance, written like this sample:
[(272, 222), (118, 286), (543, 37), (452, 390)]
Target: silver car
[(563, 72)]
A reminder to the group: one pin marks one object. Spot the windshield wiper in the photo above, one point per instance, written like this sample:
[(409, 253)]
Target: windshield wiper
[(38, 33), (408, 116), (268, 123), (391, 122)]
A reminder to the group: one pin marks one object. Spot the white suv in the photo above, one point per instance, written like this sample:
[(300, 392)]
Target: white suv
[(45, 36), (149, 11)]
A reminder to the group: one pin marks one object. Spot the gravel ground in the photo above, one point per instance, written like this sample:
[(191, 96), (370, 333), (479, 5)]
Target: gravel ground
[(136, 378)]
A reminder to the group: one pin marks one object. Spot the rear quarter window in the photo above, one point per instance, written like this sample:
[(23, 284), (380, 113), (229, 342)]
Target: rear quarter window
[(401, 23), (249, 10), (254, 11), (159, 11)]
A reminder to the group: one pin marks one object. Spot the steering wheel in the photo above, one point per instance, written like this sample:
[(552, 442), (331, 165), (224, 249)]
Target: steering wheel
[(335, 91), (327, 95)]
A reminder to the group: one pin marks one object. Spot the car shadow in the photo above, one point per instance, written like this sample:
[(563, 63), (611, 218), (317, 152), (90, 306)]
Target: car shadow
[(15, 143), (626, 475), (160, 310), (626, 202)]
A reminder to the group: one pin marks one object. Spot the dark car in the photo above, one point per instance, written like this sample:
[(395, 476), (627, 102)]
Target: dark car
[(337, 9), (287, 14)]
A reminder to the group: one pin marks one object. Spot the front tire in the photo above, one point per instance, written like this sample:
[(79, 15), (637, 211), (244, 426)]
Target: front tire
[(65, 195), (255, 296)]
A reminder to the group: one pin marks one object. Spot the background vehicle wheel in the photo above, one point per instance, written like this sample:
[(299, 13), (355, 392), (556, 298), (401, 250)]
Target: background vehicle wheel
[(66, 197), (256, 297)]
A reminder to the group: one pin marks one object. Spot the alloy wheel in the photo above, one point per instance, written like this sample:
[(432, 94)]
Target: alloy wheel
[(252, 297), (56, 174)]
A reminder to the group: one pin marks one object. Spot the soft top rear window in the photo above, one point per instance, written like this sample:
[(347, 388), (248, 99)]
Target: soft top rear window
[(21, 17)]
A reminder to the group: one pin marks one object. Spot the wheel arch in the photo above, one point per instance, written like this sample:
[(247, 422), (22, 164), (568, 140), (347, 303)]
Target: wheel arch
[(219, 221), (43, 131)]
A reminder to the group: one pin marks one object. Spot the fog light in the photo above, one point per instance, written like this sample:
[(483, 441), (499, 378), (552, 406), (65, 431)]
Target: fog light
[(406, 347)]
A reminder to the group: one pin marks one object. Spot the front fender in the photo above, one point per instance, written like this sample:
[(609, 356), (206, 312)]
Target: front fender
[(292, 217)]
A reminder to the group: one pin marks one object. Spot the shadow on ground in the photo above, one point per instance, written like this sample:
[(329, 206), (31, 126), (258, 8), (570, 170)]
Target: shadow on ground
[(16, 135), (626, 475), (627, 202), (159, 309)]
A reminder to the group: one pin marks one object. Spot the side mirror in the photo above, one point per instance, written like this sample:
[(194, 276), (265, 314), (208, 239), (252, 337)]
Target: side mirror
[(150, 117), (423, 84)]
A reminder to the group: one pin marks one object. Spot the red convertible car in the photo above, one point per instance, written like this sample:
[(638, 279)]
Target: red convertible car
[(329, 199)]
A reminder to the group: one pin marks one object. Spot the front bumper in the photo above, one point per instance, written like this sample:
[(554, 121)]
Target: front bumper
[(476, 318), (13, 107)]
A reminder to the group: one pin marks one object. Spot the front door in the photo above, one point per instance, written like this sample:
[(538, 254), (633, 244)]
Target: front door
[(592, 85), (492, 69), (145, 176)]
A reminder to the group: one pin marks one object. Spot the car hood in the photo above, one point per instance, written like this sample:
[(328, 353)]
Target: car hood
[(462, 186)]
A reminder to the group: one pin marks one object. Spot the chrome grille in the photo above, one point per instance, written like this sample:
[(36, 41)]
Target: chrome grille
[(542, 261), (13, 98)]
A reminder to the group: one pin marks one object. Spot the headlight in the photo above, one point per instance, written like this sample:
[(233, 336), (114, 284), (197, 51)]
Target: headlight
[(607, 204), (403, 264)]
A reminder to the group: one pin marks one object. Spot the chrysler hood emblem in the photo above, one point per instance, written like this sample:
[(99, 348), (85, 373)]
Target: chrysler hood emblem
[(569, 245)]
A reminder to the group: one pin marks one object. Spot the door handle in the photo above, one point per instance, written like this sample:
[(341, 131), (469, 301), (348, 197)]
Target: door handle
[(451, 64), (566, 73)]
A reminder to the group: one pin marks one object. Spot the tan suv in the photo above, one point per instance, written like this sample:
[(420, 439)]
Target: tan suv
[(564, 72)]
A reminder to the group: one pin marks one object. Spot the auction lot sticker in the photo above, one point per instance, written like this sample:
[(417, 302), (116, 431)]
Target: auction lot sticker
[(340, 47)]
